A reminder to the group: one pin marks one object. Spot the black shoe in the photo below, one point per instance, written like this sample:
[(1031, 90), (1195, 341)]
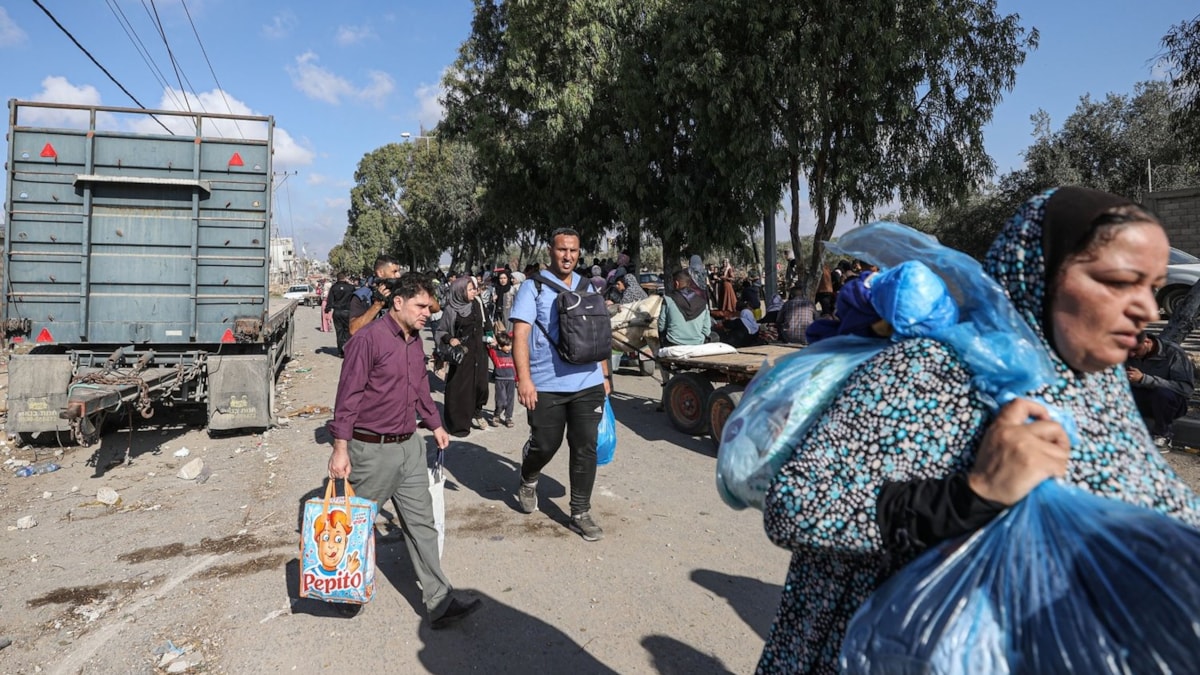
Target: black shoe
[(457, 611), (346, 610)]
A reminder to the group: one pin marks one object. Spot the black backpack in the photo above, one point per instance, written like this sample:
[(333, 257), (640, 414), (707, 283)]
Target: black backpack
[(584, 332)]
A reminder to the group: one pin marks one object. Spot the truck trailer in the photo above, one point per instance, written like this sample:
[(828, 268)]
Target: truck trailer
[(137, 268)]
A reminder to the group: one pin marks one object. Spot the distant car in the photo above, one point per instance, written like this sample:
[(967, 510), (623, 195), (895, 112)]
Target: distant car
[(1183, 269), (305, 293), (651, 282)]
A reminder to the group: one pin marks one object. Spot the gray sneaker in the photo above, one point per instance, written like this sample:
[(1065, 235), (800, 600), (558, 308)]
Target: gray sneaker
[(527, 497), (586, 527)]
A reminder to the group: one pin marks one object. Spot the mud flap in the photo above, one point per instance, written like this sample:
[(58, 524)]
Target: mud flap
[(239, 392), (37, 392)]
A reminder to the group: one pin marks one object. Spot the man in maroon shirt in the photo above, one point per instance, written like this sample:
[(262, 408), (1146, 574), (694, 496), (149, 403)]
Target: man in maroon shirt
[(381, 391)]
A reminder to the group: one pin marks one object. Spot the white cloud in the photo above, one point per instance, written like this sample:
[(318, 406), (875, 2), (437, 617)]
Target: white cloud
[(430, 110), (317, 82), (281, 25), (349, 35), (337, 203), (288, 152), (316, 179), (11, 34), (380, 87), (56, 89), (323, 84)]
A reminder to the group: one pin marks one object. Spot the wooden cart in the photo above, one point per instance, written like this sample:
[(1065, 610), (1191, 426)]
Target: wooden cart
[(692, 403)]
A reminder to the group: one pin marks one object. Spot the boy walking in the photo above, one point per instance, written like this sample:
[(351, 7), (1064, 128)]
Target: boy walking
[(505, 373)]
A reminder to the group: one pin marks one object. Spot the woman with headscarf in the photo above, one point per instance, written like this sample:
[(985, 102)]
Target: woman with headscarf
[(909, 453), (727, 296), (503, 298), (632, 291), (463, 325)]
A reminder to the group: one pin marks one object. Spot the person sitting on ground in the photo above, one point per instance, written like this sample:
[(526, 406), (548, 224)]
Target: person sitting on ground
[(795, 316), (742, 330), (1162, 377), (684, 319), (775, 304)]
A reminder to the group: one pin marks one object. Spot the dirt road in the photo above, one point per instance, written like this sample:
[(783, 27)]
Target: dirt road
[(680, 584)]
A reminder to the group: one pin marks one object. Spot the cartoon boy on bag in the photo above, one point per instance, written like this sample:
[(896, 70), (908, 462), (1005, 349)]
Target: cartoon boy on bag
[(332, 534)]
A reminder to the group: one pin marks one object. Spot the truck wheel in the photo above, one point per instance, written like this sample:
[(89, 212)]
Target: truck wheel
[(720, 406), (685, 400)]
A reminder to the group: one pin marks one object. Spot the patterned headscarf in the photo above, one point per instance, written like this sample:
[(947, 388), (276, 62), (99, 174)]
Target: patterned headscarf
[(633, 291), (1031, 248)]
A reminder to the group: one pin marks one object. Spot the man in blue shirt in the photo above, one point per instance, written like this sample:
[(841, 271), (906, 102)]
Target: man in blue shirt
[(560, 396)]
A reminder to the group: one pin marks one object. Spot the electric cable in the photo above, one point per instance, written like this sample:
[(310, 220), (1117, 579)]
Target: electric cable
[(142, 50), (210, 67), (98, 65), (170, 54)]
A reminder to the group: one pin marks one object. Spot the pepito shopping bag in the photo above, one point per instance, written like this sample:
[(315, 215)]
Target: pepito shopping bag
[(337, 547)]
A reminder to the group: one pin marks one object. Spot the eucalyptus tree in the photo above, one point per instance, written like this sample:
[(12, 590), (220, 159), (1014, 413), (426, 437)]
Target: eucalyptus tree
[(1181, 56)]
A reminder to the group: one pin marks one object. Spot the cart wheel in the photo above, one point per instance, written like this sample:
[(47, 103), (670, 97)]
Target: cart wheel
[(685, 400), (720, 405), (646, 367)]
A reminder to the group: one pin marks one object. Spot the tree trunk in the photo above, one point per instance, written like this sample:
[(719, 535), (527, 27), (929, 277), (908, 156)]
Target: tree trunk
[(672, 250), (794, 226), (1184, 318)]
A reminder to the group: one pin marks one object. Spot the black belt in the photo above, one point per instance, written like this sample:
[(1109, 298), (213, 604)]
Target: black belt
[(380, 438)]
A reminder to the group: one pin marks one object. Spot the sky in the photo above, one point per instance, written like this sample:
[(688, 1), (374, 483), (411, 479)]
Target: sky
[(344, 78)]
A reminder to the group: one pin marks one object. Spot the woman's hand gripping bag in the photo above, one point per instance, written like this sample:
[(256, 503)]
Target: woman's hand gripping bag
[(337, 547), (1062, 582)]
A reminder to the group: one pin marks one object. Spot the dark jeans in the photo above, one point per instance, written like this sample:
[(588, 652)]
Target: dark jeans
[(1160, 407), (578, 413), (506, 393), (341, 327)]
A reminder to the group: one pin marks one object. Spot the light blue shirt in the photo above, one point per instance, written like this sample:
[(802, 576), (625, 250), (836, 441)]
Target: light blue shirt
[(549, 372)]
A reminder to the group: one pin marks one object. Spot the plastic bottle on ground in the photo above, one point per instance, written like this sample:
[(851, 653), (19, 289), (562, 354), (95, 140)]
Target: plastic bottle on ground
[(35, 469)]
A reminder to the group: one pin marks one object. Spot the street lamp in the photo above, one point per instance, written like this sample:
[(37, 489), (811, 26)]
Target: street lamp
[(406, 135)]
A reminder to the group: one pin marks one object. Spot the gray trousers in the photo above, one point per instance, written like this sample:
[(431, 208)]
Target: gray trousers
[(397, 471)]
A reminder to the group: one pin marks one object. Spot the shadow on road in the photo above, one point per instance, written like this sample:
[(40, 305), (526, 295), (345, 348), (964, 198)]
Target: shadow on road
[(501, 639), (671, 657), (494, 476), (752, 599), (637, 414)]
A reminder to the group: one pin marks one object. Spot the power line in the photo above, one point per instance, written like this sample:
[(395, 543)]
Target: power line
[(210, 66), (142, 50), (170, 54), (93, 59)]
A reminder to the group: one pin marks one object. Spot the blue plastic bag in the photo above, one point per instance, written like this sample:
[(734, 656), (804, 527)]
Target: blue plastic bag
[(606, 437), (782, 402), (1062, 582)]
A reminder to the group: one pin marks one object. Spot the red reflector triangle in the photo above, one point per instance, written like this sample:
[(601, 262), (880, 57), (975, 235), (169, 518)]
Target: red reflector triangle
[(45, 336), (48, 151), (236, 160), (228, 336)]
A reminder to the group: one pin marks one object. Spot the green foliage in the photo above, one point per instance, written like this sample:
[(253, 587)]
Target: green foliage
[(1181, 56), (1111, 145)]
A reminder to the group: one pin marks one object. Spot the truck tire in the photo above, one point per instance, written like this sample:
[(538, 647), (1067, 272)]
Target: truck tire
[(720, 405), (685, 400)]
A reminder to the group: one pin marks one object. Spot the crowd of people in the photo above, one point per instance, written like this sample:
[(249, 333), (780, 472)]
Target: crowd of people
[(1079, 267)]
